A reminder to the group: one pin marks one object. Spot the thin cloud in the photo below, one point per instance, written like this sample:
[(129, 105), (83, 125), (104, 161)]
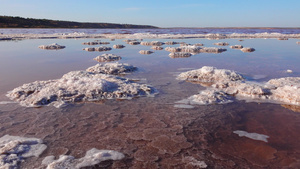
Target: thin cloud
[(133, 9)]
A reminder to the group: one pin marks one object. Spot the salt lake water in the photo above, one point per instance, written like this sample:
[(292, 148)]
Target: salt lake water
[(150, 131)]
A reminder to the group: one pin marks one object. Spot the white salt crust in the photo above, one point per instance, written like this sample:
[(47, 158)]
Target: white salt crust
[(253, 136), (53, 46), (14, 149), (107, 58), (223, 84), (81, 86)]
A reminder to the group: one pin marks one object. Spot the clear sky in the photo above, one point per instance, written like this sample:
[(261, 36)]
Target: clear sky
[(162, 13)]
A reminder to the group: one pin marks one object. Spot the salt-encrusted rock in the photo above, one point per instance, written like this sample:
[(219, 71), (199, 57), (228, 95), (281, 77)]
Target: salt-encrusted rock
[(78, 86), (283, 38), (180, 55), (107, 58), (198, 44), (153, 43), (92, 157), (157, 48), (283, 90), (14, 149), (286, 90), (53, 46), (208, 74), (185, 44), (95, 43), (112, 68), (247, 49), (212, 50), (171, 43), (208, 97), (289, 71), (195, 49), (145, 52), (236, 47), (99, 49), (221, 43), (118, 46), (134, 43)]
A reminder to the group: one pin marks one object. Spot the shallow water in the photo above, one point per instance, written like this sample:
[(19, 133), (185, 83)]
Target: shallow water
[(151, 132)]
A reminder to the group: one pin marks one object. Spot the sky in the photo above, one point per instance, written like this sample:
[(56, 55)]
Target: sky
[(162, 13)]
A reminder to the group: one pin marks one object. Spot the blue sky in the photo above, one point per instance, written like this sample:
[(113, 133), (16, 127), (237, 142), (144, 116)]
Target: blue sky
[(162, 13)]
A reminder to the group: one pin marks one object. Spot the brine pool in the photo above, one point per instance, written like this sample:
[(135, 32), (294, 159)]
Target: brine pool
[(150, 131)]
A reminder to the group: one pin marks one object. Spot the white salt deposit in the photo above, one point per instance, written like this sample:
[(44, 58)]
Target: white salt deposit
[(99, 49), (118, 46), (195, 49), (247, 49), (253, 136), (53, 46), (14, 149), (171, 43), (157, 48), (153, 43), (236, 47), (112, 68), (221, 43), (289, 71), (107, 58), (79, 86), (95, 43), (92, 157), (226, 82), (145, 52), (180, 55)]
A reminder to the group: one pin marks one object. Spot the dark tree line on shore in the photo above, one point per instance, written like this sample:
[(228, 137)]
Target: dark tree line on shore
[(19, 22)]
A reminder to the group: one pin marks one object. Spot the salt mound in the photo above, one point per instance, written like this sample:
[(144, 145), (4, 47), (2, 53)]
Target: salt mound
[(283, 90), (208, 97), (118, 46), (247, 49), (92, 157), (107, 58), (298, 43), (112, 68), (99, 49), (171, 43), (53, 46), (95, 43), (236, 47), (14, 149), (253, 136), (209, 74), (78, 86), (195, 49), (153, 43), (145, 52), (286, 89), (221, 43), (180, 55), (157, 48), (199, 44)]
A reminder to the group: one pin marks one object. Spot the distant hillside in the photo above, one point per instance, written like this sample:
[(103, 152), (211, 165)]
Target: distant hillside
[(18, 22)]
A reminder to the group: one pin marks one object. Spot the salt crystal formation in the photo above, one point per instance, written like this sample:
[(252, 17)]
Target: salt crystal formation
[(80, 86), (225, 83), (99, 49), (53, 46), (236, 47), (157, 48), (145, 52), (171, 43), (107, 58), (180, 55), (221, 43), (195, 49), (118, 46), (153, 43), (95, 43), (247, 49), (92, 157), (112, 68), (253, 136), (14, 149), (132, 41)]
